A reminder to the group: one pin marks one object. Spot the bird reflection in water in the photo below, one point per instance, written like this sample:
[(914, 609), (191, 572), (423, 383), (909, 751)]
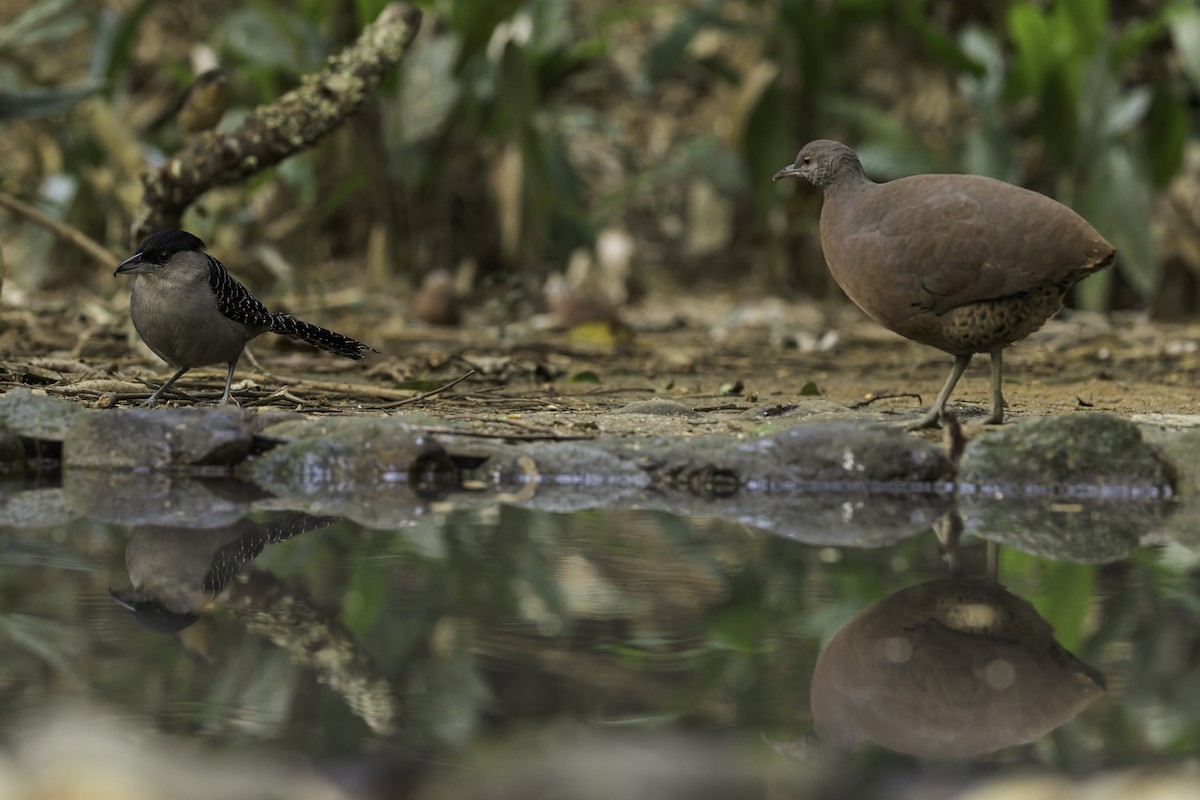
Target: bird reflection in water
[(175, 572), (952, 668)]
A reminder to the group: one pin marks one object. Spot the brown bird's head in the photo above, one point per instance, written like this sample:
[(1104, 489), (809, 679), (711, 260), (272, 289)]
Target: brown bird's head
[(823, 163)]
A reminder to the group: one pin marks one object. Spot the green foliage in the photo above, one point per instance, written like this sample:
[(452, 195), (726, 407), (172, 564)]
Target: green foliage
[(474, 149), (1061, 592), (44, 24), (40, 24)]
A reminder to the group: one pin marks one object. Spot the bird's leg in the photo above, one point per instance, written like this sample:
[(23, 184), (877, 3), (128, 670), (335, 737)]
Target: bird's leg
[(229, 380), (159, 392), (997, 416), (930, 420)]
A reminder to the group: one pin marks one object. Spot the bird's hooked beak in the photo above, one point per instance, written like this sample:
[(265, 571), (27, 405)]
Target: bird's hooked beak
[(790, 171), (131, 264), (120, 597)]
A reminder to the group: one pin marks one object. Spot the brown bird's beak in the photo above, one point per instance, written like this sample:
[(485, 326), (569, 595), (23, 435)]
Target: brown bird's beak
[(131, 264), (789, 171)]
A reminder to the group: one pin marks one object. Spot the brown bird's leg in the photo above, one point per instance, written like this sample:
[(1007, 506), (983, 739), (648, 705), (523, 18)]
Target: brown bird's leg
[(159, 392), (930, 420), (997, 416)]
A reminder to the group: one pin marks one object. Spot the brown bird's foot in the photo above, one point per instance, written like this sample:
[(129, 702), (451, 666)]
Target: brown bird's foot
[(928, 421), (934, 414)]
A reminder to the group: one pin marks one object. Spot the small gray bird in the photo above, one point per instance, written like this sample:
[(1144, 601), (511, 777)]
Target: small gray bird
[(191, 312)]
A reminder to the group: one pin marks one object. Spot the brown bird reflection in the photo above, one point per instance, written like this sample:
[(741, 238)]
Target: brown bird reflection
[(952, 668)]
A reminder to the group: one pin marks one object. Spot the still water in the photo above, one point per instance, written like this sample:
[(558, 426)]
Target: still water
[(402, 652)]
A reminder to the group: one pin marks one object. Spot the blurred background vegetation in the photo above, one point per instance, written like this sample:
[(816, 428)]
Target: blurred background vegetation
[(523, 136)]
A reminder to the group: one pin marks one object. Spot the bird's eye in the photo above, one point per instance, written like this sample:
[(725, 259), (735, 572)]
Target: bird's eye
[(807, 159), (164, 255)]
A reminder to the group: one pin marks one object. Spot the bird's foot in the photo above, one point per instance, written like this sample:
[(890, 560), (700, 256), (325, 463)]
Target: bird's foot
[(929, 421)]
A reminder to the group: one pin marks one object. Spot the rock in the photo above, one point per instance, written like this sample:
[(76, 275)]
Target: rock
[(376, 471), (1081, 487), (658, 406), (34, 508), (830, 456), (34, 415), (145, 438), (125, 497)]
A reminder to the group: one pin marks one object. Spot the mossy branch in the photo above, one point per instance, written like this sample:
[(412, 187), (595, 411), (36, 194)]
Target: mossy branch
[(294, 122)]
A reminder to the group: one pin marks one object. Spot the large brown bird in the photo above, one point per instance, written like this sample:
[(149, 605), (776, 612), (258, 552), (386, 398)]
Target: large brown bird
[(963, 263)]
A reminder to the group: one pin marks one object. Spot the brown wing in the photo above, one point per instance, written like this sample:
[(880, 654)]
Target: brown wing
[(930, 243)]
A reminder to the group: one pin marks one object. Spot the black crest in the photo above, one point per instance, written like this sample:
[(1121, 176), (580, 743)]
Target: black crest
[(161, 245)]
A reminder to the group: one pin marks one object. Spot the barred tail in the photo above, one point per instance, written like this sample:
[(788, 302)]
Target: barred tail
[(320, 337)]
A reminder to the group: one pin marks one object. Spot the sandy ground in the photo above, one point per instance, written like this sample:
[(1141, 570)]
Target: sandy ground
[(712, 354)]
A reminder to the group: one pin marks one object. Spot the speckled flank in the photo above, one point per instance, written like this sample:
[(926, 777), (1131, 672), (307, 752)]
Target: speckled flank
[(976, 327)]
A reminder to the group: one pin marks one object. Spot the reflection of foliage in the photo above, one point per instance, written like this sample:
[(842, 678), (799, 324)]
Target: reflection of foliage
[(1150, 626), (488, 619)]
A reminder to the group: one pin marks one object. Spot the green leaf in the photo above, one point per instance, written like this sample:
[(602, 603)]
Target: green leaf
[(1060, 592), (115, 46), (1085, 21), (769, 142), (809, 389), (43, 102), (669, 52), (1184, 24), (937, 43), (365, 598), (517, 92), (1127, 111), (266, 40), (55, 642), (37, 25), (1135, 37), (427, 93), (985, 87), (587, 376), (1167, 129), (476, 22), (1117, 198), (1034, 43), (1058, 117)]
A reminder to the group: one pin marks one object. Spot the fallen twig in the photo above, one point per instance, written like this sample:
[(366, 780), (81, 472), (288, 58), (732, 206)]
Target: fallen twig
[(871, 398), (430, 393), (62, 230)]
